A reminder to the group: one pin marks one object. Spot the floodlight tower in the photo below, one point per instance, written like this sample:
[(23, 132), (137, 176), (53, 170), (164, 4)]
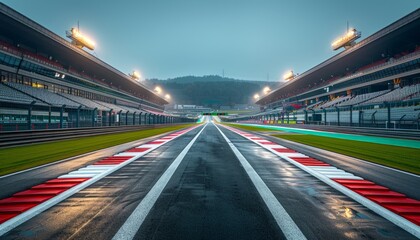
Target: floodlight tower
[(135, 75), (80, 40), (289, 75), (347, 40)]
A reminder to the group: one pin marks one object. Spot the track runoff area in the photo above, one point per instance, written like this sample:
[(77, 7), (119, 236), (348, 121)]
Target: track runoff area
[(209, 181)]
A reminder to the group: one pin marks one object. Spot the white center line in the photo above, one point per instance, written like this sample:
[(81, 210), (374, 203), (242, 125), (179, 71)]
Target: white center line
[(129, 229), (284, 221)]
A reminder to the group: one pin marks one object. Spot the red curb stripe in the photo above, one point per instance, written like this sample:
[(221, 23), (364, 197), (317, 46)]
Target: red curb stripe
[(16, 208), (118, 158), (396, 201), (379, 193), (268, 143), (6, 216), (138, 150), (31, 199), (365, 187), (156, 142), (350, 181), (413, 218), (54, 185), (401, 210), (67, 180), (284, 150), (40, 192)]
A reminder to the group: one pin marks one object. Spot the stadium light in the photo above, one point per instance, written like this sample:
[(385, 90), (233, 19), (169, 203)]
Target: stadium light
[(79, 39), (266, 90), (135, 75), (158, 89), (347, 40), (289, 75), (256, 96), (167, 96)]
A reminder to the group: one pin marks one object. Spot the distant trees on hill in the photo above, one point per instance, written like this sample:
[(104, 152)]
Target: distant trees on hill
[(210, 91)]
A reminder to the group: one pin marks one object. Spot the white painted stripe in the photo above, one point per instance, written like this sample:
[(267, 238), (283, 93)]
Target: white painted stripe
[(284, 221), (276, 146), (338, 171), (148, 145), (130, 227), (346, 177), (87, 171), (292, 155), (25, 216), (77, 176), (94, 168), (385, 213), (317, 168)]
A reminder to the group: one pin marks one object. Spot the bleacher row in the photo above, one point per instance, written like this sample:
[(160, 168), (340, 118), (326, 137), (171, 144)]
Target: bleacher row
[(14, 92), (398, 94)]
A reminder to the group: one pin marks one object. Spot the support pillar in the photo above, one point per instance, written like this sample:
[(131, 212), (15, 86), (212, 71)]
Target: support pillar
[(93, 117), (61, 116)]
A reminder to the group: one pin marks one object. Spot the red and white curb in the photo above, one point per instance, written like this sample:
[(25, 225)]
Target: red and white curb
[(24, 205), (394, 206)]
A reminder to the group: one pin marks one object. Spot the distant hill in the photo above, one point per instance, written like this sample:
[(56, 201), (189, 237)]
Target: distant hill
[(210, 91)]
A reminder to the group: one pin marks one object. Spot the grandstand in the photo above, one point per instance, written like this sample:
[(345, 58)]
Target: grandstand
[(43, 95), (397, 94), (47, 82), (374, 83), (362, 98), (12, 95)]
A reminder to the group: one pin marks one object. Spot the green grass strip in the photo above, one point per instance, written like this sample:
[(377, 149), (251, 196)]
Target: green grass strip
[(15, 159), (347, 136), (403, 158)]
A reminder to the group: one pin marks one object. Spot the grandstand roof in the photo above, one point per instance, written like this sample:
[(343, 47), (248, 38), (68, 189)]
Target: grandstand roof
[(29, 34), (395, 38)]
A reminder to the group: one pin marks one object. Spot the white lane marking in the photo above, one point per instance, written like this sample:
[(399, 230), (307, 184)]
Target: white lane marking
[(378, 209), (25, 216), (284, 221), (130, 227)]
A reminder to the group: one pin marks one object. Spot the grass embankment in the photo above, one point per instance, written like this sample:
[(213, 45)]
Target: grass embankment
[(15, 159), (403, 158)]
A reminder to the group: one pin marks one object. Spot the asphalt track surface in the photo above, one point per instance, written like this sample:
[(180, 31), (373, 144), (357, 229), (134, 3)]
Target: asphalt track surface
[(209, 196)]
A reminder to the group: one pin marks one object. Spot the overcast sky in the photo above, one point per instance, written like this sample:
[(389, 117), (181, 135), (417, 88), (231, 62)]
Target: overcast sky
[(248, 39)]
